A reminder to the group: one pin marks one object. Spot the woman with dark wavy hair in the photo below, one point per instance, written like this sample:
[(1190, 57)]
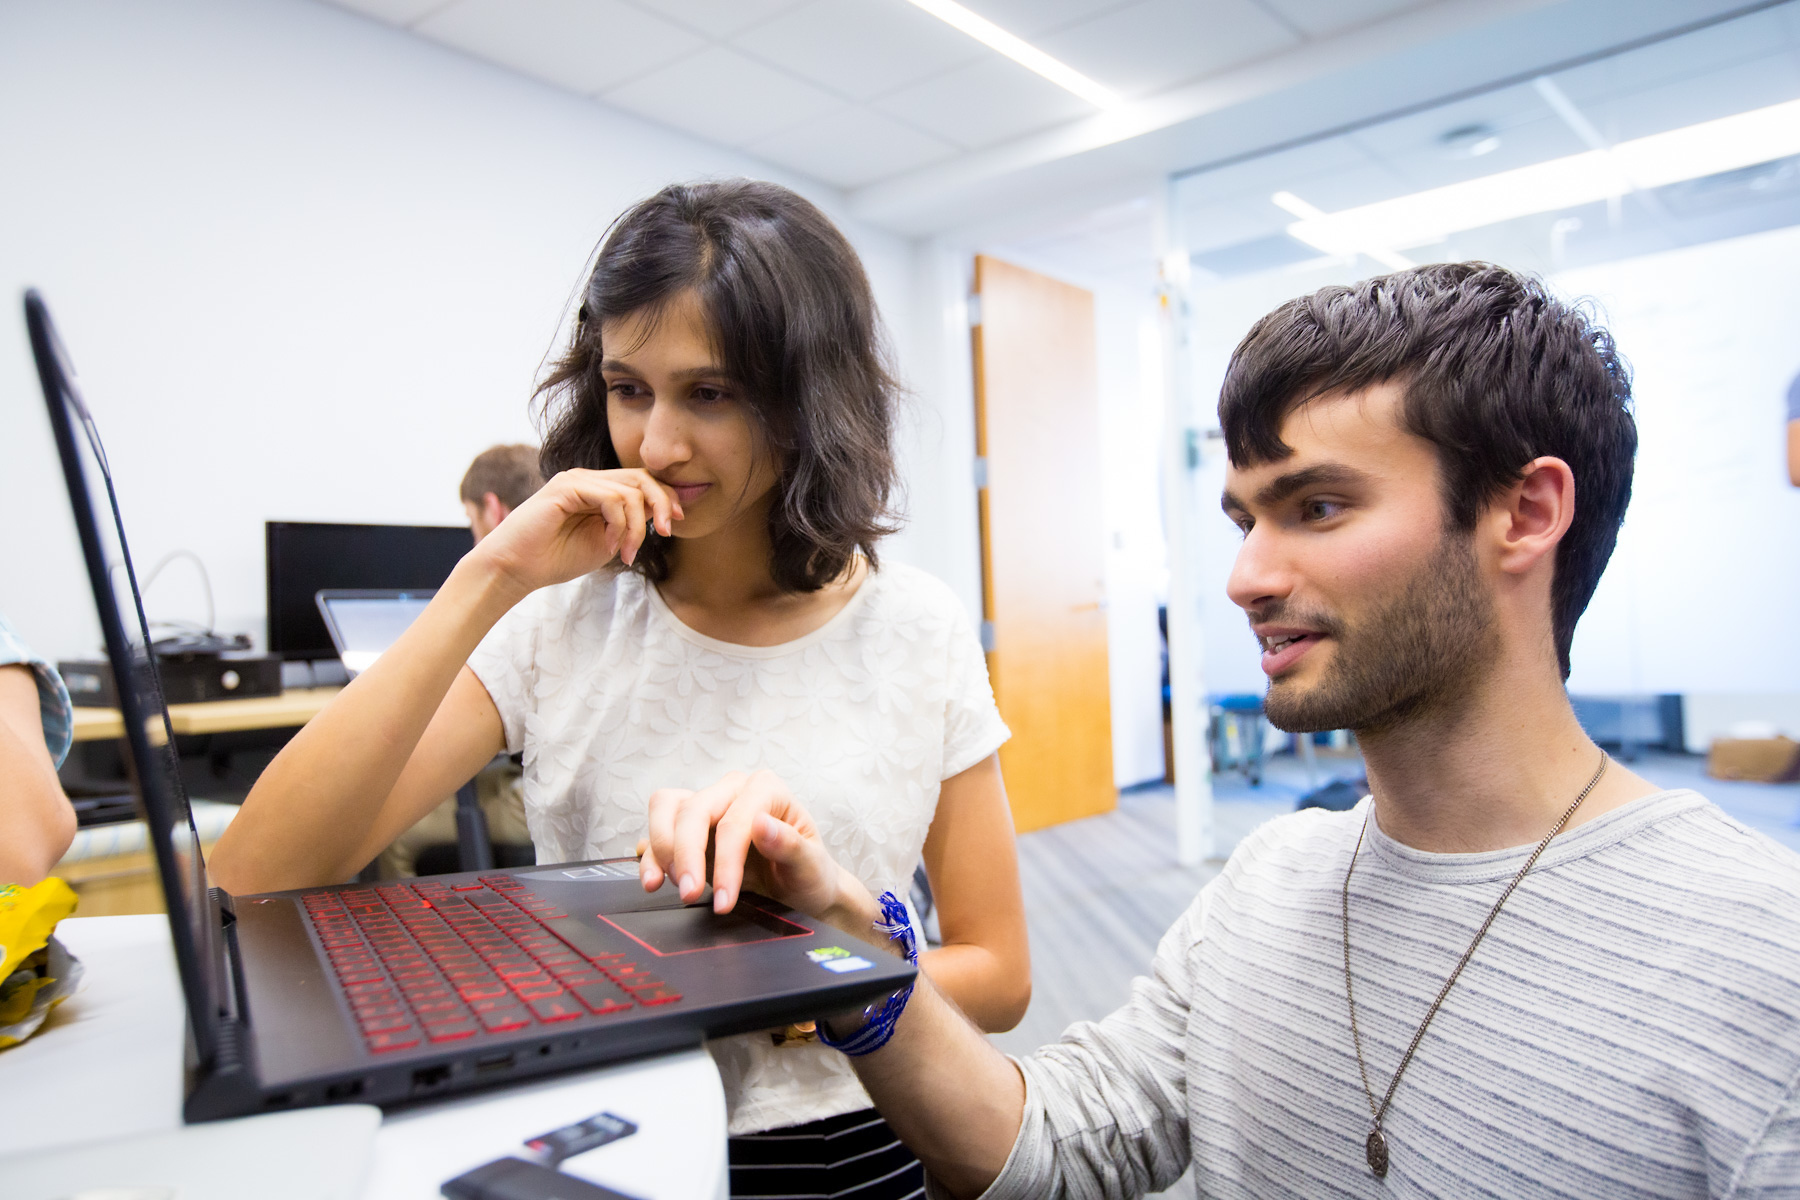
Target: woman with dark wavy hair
[(695, 595)]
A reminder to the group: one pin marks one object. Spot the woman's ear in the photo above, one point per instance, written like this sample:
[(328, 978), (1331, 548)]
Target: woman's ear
[(1531, 517)]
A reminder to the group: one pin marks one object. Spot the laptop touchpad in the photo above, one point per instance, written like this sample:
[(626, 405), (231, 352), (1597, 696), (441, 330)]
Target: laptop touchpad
[(666, 931)]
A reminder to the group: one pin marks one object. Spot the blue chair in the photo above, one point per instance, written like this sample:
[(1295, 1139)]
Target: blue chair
[(1235, 734)]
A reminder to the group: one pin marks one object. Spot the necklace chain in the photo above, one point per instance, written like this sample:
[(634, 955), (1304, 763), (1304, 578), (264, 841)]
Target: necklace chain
[(1377, 1142)]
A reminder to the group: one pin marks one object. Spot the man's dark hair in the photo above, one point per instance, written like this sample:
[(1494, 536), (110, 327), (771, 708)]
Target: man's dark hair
[(510, 472), (794, 324), (1496, 372)]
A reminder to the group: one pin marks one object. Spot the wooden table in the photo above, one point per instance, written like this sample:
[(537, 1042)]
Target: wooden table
[(126, 882), (290, 710)]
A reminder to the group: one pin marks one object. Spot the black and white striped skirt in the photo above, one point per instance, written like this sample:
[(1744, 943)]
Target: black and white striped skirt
[(852, 1157)]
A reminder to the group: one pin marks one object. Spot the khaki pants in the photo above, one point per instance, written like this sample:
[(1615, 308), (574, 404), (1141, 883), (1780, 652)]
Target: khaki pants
[(501, 791)]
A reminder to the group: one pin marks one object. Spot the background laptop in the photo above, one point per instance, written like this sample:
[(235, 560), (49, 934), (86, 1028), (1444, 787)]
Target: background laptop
[(363, 622), (390, 992)]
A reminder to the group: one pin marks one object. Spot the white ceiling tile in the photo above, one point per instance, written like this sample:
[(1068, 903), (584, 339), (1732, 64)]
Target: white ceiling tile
[(852, 147), (985, 102), (1155, 44), (394, 12), (1029, 18), (584, 45), (1658, 87), (717, 18), (1528, 132), (860, 48), (1208, 227), (1321, 18), (1710, 73), (1671, 105), (1378, 180), (724, 97)]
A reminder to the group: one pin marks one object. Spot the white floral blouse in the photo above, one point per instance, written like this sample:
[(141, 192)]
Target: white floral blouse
[(609, 697)]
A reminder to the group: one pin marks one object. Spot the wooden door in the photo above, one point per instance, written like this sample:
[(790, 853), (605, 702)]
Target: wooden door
[(1037, 425)]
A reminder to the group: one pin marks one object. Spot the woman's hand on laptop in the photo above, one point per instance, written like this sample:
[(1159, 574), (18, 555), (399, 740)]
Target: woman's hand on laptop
[(578, 522), (760, 837)]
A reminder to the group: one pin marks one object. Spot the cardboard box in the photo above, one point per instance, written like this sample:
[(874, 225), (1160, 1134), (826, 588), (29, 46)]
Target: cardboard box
[(1763, 760)]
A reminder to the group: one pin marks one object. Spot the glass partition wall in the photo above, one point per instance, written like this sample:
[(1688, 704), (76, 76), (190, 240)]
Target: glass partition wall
[(1663, 183)]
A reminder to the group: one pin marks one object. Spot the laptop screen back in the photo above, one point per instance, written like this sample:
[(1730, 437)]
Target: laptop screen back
[(149, 739), (365, 623)]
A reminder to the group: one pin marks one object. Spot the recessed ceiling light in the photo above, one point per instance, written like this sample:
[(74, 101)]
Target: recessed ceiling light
[(1021, 52), (1470, 141), (1692, 152)]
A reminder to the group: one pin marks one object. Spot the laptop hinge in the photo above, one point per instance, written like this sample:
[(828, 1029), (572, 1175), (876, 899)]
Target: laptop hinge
[(224, 1087)]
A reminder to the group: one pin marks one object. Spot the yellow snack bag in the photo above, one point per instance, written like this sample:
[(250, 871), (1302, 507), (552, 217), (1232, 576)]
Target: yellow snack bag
[(27, 918), (36, 972)]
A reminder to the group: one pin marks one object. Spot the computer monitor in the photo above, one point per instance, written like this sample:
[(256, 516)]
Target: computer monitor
[(308, 557)]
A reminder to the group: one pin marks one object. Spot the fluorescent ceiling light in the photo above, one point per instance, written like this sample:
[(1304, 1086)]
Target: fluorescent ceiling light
[(1020, 51), (1289, 202), (1430, 216)]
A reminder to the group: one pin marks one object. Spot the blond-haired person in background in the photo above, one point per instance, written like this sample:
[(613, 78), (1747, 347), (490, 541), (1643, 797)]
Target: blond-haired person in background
[(499, 480)]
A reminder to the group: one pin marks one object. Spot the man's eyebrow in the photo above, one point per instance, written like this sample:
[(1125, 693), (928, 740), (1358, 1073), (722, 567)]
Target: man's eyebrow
[(620, 367), (1283, 486)]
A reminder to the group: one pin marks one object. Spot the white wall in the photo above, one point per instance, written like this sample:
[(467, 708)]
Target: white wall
[(307, 266), (943, 533), (1702, 591), (1137, 568)]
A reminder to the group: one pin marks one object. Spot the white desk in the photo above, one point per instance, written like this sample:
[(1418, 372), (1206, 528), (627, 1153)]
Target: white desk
[(108, 1065)]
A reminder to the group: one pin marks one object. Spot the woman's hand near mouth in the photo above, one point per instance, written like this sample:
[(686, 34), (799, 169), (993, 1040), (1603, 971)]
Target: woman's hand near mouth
[(578, 522)]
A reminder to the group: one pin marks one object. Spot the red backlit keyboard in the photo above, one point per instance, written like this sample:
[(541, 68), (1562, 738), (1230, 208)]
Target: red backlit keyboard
[(436, 962)]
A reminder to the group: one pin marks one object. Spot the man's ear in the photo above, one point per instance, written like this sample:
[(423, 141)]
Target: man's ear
[(1530, 517), (493, 509)]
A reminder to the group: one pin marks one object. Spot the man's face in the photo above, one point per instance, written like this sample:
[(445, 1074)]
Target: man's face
[(1369, 610)]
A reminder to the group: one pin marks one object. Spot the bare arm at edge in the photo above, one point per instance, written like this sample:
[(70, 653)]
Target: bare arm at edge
[(36, 822)]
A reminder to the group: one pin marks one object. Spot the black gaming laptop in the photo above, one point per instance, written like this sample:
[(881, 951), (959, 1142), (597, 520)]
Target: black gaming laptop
[(384, 993)]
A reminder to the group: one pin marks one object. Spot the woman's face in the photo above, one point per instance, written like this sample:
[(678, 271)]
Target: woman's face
[(675, 413)]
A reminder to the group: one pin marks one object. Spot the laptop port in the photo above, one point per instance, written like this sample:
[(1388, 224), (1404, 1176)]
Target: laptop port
[(346, 1089), (279, 1100), (430, 1079), (493, 1064)]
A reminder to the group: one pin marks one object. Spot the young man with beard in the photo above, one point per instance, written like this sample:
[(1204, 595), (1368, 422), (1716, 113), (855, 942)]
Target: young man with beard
[(1517, 969)]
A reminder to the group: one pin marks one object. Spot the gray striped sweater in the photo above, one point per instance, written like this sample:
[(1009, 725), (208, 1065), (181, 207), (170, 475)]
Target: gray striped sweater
[(1630, 1026)]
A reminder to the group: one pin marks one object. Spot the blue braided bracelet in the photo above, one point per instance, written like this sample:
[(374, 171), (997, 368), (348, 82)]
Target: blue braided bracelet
[(878, 1023)]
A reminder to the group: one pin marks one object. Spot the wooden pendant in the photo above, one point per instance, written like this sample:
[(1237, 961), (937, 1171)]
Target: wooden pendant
[(1377, 1150)]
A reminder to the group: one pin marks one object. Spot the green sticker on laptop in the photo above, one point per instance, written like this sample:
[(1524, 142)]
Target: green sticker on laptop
[(838, 960)]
